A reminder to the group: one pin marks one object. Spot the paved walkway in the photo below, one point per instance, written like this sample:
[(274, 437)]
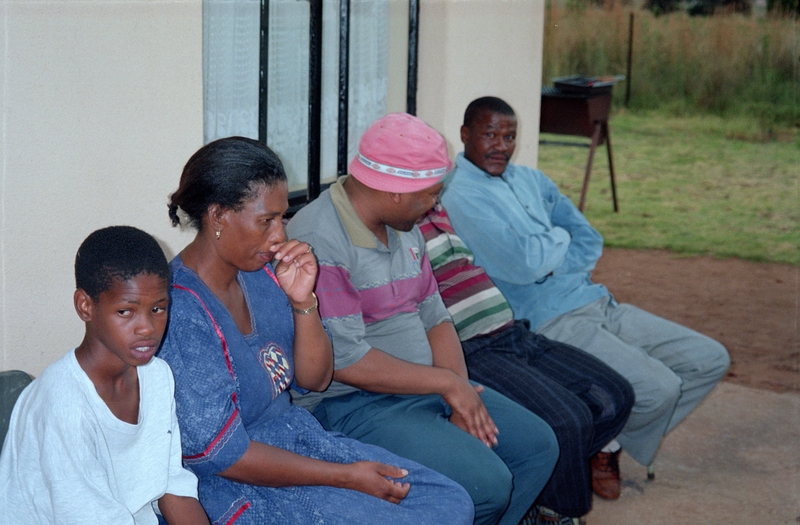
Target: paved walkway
[(734, 460)]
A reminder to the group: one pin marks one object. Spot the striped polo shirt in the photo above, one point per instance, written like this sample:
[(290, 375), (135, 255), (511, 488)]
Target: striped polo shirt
[(370, 295)]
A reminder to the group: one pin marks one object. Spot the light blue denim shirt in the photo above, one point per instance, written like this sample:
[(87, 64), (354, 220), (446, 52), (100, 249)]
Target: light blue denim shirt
[(531, 240)]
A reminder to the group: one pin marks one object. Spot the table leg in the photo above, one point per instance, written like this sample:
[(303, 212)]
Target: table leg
[(607, 134), (598, 127)]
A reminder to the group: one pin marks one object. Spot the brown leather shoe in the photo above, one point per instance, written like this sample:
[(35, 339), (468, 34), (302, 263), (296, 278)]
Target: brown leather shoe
[(605, 474)]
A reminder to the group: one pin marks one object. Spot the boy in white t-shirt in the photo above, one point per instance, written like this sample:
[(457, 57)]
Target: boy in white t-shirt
[(94, 439)]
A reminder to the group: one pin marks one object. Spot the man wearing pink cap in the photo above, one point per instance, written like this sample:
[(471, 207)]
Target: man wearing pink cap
[(400, 380)]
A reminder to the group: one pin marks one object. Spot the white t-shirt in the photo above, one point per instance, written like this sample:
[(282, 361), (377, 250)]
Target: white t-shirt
[(68, 459)]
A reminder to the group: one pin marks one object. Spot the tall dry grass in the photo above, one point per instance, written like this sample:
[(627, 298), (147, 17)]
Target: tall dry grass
[(722, 64)]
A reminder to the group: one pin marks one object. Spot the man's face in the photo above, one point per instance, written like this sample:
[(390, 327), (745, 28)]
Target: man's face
[(413, 206), (490, 141)]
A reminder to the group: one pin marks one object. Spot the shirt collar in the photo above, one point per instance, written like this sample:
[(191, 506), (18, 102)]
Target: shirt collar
[(466, 165), (359, 234)]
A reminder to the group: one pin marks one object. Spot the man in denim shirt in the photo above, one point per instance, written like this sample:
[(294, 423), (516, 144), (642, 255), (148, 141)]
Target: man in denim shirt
[(539, 250)]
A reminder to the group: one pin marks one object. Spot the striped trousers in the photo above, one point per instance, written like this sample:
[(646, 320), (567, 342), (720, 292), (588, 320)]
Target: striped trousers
[(584, 401)]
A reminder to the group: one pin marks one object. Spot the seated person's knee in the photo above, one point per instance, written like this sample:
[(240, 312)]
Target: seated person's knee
[(492, 491), (662, 394), (718, 360)]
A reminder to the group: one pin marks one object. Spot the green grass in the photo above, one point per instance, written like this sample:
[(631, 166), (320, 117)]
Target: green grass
[(691, 184)]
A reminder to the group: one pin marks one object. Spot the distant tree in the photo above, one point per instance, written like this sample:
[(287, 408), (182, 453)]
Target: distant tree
[(708, 7), (786, 7), (702, 7), (662, 7)]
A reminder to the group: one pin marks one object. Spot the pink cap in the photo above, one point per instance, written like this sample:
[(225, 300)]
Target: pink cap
[(399, 153)]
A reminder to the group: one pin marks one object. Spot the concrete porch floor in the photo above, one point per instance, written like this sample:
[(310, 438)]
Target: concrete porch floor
[(734, 460)]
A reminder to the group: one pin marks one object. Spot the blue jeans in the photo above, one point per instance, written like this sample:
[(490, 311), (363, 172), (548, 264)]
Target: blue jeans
[(585, 402), (503, 481)]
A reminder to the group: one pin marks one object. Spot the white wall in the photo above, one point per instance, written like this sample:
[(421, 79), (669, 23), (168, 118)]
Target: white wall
[(473, 48), (398, 56), (101, 107)]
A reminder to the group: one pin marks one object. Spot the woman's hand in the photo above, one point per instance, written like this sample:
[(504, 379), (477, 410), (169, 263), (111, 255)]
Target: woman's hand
[(296, 271), (370, 478), (270, 466)]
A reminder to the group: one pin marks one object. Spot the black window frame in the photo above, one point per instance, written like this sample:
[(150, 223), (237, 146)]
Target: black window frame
[(299, 198)]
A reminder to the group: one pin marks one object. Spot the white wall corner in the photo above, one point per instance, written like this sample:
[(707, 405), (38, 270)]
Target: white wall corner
[(473, 48), (102, 106)]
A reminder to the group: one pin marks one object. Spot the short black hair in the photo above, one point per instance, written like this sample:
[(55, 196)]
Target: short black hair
[(493, 104), (117, 252), (226, 172)]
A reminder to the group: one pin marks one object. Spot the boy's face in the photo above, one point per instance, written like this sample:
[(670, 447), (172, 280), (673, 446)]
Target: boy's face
[(128, 319)]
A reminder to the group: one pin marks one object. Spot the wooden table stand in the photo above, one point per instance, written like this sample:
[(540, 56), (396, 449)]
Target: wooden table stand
[(582, 115)]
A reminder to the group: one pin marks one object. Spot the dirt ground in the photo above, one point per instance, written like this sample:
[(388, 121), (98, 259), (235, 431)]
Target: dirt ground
[(751, 308)]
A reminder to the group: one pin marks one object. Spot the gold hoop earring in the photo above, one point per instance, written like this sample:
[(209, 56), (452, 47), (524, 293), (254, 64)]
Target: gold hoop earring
[(218, 232)]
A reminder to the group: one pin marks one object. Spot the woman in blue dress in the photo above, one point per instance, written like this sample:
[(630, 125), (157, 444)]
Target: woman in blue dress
[(243, 328)]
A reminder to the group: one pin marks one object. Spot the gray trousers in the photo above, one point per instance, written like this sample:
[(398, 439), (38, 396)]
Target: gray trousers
[(670, 367)]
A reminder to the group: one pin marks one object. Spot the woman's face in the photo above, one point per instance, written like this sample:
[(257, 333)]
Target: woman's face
[(247, 235)]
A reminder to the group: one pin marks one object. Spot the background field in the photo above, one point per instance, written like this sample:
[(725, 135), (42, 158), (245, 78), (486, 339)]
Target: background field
[(707, 155), (726, 64), (690, 185)]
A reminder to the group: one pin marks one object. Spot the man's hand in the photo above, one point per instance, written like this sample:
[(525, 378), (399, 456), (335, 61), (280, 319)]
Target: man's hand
[(469, 412), (370, 478)]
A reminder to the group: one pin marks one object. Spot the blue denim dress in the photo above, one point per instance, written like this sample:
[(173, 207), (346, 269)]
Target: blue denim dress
[(232, 388)]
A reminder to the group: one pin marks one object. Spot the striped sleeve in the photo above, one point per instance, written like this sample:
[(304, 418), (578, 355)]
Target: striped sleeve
[(474, 302)]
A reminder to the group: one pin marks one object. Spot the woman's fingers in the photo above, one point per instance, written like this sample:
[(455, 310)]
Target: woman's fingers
[(290, 250)]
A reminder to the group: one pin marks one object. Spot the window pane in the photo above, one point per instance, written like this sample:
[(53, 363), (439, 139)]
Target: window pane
[(287, 91)]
